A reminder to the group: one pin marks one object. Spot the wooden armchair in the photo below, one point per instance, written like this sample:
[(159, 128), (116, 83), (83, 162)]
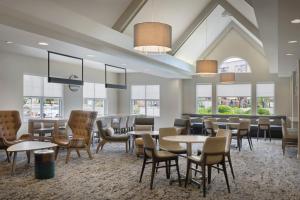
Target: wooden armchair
[(10, 123), (81, 124)]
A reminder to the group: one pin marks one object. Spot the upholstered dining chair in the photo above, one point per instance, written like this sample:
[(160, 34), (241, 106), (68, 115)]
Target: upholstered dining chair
[(173, 147), (289, 138), (213, 155), (155, 157), (107, 136), (10, 123), (233, 120), (264, 125), (81, 124), (243, 131), (210, 127)]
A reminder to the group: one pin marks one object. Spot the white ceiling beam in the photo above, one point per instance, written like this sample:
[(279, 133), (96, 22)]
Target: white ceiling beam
[(240, 17), (128, 15), (231, 26), (194, 25)]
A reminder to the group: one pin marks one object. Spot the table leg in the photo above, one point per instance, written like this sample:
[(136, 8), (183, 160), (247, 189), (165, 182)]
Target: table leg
[(189, 153), (13, 167), (28, 156), (133, 140)]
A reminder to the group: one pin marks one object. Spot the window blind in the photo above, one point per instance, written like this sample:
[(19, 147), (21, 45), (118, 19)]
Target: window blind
[(152, 92), (265, 90), (204, 90), (138, 92), (234, 90)]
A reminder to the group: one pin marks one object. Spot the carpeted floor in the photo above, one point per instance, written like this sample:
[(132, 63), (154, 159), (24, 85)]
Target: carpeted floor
[(113, 174)]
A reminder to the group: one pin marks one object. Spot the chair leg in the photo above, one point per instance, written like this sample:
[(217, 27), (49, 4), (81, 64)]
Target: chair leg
[(249, 142), (56, 152), (8, 157), (257, 135), (283, 146), (143, 168), (89, 152), (230, 164), (78, 153), (270, 134), (28, 156), (178, 173), (204, 180), (167, 169), (196, 167), (209, 174), (101, 144), (226, 177), (126, 146), (152, 174), (68, 155), (187, 172), (239, 143)]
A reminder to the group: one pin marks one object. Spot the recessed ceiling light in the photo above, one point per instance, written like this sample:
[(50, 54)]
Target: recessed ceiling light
[(292, 41), (43, 43), (289, 54), (8, 42), (90, 55), (295, 21)]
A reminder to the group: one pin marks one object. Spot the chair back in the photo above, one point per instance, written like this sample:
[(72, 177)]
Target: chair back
[(211, 119), (234, 119), (101, 125), (81, 123), (144, 121), (263, 123), (163, 132), (143, 127), (213, 150), (130, 121), (10, 123), (244, 127), (225, 133), (123, 121), (209, 127), (149, 146)]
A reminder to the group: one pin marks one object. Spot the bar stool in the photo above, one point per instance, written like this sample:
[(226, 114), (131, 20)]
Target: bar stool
[(264, 125)]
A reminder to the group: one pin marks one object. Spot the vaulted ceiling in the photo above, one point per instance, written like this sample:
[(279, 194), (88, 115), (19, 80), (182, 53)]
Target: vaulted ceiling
[(104, 28)]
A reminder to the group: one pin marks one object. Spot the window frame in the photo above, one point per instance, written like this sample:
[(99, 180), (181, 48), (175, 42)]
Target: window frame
[(235, 71), (256, 97), (196, 106), (145, 100), (251, 102)]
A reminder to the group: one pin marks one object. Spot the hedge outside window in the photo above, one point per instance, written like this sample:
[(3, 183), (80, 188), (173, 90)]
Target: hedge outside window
[(265, 98), (41, 99), (145, 100), (234, 99), (94, 98), (204, 99)]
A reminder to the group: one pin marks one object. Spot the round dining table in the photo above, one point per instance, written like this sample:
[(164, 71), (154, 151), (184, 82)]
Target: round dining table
[(187, 139)]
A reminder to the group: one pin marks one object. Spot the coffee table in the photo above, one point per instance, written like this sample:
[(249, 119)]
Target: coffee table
[(27, 146)]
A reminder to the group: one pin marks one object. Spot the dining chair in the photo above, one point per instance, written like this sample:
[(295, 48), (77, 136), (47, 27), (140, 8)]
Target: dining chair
[(233, 120), (210, 127), (243, 131), (213, 155), (81, 124), (138, 142), (155, 157), (264, 125), (289, 138)]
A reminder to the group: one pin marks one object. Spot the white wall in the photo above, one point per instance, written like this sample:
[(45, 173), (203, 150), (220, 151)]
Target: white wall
[(234, 45), (170, 97), (12, 68)]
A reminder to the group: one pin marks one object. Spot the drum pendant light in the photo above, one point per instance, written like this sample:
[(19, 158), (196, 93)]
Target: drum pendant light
[(152, 37), (227, 78)]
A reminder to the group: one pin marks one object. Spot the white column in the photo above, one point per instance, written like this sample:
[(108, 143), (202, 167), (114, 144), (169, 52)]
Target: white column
[(298, 91)]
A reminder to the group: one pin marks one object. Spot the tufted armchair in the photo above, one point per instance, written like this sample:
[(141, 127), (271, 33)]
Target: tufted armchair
[(10, 123), (81, 124)]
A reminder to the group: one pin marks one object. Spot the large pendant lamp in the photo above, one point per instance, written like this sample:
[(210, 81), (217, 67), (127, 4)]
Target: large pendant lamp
[(227, 78), (206, 67), (152, 37)]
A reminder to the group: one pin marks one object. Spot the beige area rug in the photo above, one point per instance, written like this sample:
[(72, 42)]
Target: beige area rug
[(113, 174)]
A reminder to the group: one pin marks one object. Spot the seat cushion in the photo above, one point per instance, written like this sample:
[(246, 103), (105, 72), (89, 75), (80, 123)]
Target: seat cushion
[(292, 135), (121, 138), (139, 141), (62, 142), (110, 132), (180, 130), (165, 154)]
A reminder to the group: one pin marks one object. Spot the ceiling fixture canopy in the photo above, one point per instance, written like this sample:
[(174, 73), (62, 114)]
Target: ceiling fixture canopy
[(152, 37), (227, 78), (207, 67)]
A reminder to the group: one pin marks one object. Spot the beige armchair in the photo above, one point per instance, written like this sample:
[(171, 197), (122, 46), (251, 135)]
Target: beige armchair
[(172, 147), (289, 138), (107, 137), (210, 128), (81, 124), (150, 153), (213, 155), (10, 123), (243, 131), (264, 125)]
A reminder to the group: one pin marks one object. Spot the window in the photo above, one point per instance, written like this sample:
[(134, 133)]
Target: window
[(265, 99), (234, 99), (94, 98), (204, 99), (41, 99), (145, 100), (236, 65)]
